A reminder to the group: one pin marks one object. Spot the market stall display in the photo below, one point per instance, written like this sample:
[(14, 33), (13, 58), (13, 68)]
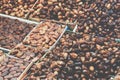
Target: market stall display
[(59, 39), (79, 57)]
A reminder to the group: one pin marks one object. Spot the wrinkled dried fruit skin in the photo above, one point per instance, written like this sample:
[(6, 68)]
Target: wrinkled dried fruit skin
[(67, 11), (101, 18), (12, 69), (92, 54), (25, 52), (48, 32), (79, 62), (13, 32), (17, 8), (44, 35)]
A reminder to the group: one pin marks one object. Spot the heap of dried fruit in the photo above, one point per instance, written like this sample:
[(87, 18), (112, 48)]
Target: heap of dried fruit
[(12, 66), (13, 32), (44, 35), (61, 10), (17, 8), (24, 52), (77, 57), (100, 18)]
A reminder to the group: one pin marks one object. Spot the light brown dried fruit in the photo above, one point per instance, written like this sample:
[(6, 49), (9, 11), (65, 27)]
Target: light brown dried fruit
[(73, 55), (91, 68)]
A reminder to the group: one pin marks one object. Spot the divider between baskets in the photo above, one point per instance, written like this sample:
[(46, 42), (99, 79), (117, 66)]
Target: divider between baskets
[(4, 49), (20, 19), (29, 12), (32, 30), (76, 26), (61, 22)]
